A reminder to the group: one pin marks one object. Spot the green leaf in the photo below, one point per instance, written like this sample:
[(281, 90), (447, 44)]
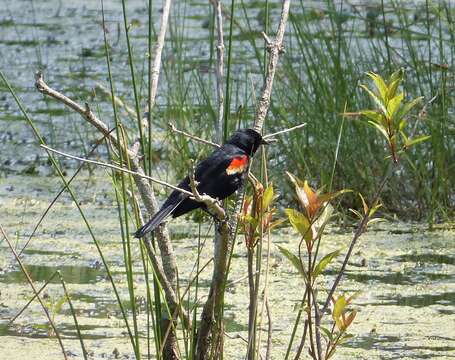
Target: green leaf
[(392, 88), (339, 306), (345, 338), (407, 108), (327, 333), (333, 195), (378, 101), (402, 125), (380, 85), (409, 143), (356, 213), (372, 115), (394, 104), (293, 259), (267, 197), (375, 220), (58, 305), (381, 129), (323, 218), (326, 260), (300, 223), (397, 75)]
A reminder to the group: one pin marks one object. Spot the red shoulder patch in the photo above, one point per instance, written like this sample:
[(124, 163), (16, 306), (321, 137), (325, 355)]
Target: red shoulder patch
[(238, 165)]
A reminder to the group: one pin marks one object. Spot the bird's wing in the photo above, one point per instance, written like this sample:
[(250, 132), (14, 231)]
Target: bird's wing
[(231, 161), (221, 160)]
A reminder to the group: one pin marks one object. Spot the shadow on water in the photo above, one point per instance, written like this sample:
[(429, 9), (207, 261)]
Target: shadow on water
[(422, 300), (426, 258), (71, 273), (395, 344)]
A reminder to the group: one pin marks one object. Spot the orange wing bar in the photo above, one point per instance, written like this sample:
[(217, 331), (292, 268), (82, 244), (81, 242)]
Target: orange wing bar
[(238, 165)]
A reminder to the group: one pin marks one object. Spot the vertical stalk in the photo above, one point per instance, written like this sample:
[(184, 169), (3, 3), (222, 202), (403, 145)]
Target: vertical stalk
[(227, 106)]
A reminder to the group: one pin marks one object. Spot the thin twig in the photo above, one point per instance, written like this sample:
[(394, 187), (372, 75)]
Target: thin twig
[(357, 234), (276, 48), (191, 136), (30, 281), (119, 102), (269, 329), (115, 167), (32, 298), (265, 137), (219, 70), (156, 68), (85, 112), (143, 185)]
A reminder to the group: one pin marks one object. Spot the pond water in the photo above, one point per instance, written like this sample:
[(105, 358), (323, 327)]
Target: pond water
[(406, 273)]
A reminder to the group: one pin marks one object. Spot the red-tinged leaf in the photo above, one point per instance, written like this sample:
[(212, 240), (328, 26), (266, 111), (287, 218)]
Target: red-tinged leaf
[(312, 201)]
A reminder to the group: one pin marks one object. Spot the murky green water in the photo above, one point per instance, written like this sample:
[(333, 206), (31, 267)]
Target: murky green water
[(406, 273)]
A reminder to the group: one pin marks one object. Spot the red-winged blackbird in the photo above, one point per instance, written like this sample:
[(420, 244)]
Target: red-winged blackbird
[(219, 176)]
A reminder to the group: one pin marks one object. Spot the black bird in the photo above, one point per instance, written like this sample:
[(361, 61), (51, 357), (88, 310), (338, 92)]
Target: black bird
[(218, 176)]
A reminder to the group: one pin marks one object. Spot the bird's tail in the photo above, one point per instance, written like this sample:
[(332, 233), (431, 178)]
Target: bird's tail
[(157, 219)]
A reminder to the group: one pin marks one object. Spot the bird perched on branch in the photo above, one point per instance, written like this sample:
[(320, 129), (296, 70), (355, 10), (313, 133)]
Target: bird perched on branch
[(219, 175)]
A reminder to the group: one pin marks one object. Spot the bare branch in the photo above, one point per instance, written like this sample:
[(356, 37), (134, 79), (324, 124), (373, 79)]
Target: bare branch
[(276, 47), (115, 167), (156, 68), (269, 136), (219, 70), (191, 136), (85, 112), (119, 102)]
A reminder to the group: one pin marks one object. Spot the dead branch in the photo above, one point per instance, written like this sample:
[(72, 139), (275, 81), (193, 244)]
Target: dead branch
[(270, 136), (115, 167), (156, 68), (191, 136), (219, 70), (144, 187), (119, 102), (275, 48)]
